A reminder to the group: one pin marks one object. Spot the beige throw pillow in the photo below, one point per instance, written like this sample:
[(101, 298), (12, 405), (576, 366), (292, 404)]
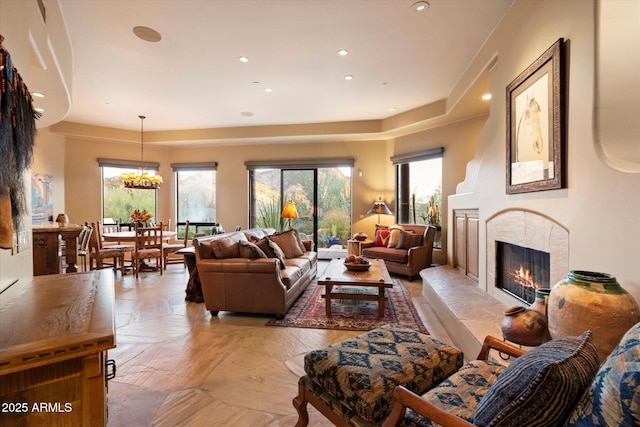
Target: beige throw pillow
[(289, 242)]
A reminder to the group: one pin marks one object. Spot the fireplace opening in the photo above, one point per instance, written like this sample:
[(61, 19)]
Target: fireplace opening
[(520, 271)]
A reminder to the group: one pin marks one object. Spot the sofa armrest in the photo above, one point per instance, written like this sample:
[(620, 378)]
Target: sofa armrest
[(308, 245), (407, 399)]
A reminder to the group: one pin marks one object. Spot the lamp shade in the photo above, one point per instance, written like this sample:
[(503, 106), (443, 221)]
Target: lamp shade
[(379, 208), (289, 210)]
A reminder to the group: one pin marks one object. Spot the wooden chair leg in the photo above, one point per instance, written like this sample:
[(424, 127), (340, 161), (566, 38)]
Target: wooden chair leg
[(300, 403)]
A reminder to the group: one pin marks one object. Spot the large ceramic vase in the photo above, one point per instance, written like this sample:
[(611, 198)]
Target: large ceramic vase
[(587, 300), (524, 326)]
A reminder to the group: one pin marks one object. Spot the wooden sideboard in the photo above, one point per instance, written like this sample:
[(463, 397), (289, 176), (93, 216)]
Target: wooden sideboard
[(46, 247), (54, 335)]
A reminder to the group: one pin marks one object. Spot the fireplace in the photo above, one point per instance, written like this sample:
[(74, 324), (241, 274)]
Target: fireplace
[(520, 270), (531, 230)]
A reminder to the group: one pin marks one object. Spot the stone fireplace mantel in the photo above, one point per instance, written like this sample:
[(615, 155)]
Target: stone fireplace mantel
[(530, 230)]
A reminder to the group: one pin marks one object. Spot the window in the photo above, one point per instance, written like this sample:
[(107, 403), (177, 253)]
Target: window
[(195, 196), (320, 190), (419, 188), (118, 202)]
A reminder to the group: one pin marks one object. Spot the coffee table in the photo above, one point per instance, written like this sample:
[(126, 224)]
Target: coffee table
[(337, 274)]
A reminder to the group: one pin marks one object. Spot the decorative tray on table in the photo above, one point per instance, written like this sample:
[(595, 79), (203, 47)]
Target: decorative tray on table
[(357, 263)]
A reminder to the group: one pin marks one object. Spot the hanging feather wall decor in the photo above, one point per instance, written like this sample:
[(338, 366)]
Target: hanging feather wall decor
[(17, 136)]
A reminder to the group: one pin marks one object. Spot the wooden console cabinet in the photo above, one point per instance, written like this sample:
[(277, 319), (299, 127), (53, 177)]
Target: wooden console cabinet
[(466, 238), (46, 247), (54, 335)]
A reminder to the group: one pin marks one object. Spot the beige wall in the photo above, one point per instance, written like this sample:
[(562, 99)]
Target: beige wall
[(82, 176), (460, 143), (600, 205)]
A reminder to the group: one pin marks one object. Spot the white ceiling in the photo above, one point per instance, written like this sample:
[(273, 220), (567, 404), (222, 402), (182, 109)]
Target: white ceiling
[(192, 78)]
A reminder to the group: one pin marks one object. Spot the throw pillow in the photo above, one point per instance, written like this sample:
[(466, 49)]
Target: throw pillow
[(541, 387), (612, 399), (227, 246), (250, 250), (405, 240), (271, 250), (206, 250), (288, 242), (394, 235), (254, 234), (382, 238)]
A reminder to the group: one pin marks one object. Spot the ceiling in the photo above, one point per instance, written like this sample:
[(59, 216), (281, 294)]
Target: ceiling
[(400, 60)]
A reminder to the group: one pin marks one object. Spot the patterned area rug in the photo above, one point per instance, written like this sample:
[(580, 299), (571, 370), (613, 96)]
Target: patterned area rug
[(309, 311)]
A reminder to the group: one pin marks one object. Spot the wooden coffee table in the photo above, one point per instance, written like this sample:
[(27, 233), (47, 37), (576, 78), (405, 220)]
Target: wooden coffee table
[(337, 275)]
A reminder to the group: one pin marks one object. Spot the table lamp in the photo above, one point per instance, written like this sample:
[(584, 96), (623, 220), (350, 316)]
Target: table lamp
[(289, 211), (380, 208)]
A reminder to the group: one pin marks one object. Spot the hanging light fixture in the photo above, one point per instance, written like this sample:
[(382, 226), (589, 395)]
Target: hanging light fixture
[(141, 180)]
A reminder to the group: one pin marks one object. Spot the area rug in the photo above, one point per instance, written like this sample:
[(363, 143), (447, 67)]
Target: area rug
[(309, 311)]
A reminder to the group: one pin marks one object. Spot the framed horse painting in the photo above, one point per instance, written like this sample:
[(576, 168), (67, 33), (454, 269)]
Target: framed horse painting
[(535, 110)]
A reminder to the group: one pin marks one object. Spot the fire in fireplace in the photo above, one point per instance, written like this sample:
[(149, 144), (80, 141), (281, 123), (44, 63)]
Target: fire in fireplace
[(520, 271)]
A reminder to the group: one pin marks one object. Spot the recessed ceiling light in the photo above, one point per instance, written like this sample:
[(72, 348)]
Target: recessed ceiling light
[(392, 109), (420, 6), (343, 52), (39, 110), (37, 94), (486, 96), (243, 59), (348, 77), (147, 34), (247, 114), (269, 90)]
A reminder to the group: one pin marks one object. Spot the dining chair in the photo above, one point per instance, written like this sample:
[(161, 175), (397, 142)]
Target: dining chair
[(83, 247), (147, 245), (172, 248), (101, 229), (98, 253)]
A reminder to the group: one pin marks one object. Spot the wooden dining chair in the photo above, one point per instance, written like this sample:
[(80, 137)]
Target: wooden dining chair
[(147, 245), (83, 244), (101, 229), (172, 248), (98, 253)]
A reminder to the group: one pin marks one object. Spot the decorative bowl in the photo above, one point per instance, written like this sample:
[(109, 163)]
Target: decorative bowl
[(352, 266), (360, 236)]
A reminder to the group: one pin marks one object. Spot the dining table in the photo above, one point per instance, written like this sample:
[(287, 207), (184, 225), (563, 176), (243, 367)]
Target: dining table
[(129, 236)]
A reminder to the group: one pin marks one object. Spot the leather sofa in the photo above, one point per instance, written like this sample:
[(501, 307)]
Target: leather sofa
[(406, 257), (243, 282)]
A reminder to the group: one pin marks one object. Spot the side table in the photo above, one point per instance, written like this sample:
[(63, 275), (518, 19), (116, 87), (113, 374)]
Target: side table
[(355, 246)]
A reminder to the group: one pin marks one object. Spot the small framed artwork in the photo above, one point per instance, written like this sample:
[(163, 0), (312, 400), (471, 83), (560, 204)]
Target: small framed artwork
[(535, 158)]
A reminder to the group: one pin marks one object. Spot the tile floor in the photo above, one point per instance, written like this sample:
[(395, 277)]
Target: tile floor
[(179, 366)]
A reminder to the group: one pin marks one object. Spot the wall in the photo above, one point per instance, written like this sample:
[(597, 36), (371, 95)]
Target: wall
[(600, 205), (82, 176), (460, 143)]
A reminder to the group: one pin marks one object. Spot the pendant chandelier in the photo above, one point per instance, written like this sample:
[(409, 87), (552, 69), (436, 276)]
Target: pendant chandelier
[(141, 179)]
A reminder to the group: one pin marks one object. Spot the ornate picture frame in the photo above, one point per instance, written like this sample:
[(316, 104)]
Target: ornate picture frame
[(535, 108)]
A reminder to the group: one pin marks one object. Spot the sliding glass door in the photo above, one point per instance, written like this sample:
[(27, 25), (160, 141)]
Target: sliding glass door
[(322, 197)]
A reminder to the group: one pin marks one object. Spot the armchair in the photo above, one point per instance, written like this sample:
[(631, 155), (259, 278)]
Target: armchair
[(542, 387)]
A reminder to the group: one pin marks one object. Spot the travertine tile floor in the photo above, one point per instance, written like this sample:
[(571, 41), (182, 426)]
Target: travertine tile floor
[(179, 366)]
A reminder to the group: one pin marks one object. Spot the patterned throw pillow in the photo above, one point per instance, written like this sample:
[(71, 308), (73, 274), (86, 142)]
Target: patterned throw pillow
[(250, 250), (541, 387), (613, 399), (382, 238)]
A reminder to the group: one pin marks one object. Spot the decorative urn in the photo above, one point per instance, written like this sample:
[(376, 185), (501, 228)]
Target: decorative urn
[(587, 300)]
